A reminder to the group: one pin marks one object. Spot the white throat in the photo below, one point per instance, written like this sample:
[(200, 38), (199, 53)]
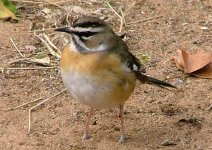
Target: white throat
[(78, 45)]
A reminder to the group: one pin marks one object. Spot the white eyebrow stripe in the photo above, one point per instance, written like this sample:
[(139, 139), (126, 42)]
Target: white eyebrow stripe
[(80, 29)]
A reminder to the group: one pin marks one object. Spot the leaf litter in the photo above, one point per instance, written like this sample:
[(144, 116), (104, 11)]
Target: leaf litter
[(199, 64)]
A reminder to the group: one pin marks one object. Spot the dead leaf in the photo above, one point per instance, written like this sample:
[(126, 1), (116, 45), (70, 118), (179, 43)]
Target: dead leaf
[(41, 58), (5, 13), (205, 72), (199, 64)]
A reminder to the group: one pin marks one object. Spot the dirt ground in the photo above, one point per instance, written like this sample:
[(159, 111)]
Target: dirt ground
[(153, 115)]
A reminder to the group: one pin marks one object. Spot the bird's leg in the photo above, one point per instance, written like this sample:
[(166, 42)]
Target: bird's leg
[(86, 135), (122, 138)]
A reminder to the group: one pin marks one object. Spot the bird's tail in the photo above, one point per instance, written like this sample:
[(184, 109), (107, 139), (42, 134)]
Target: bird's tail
[(152, 81)]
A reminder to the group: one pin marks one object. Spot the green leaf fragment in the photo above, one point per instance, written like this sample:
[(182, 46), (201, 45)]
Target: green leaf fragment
[(10, 6)]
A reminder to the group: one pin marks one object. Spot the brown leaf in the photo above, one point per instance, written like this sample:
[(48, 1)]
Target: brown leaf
[(205, 72), (199, 64)]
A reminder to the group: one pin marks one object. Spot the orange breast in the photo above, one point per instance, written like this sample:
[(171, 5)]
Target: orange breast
[(101, 71)]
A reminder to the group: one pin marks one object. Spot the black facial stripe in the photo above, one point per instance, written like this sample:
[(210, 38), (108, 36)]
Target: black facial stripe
[(86, 34), (87, 24), (78, 46)]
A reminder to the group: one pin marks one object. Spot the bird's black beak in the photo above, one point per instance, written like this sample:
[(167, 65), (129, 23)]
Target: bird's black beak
[(64, 29)]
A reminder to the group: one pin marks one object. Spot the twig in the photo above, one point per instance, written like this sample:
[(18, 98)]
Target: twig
[(19, 60), (41, 2), (144, 20), (24, 104), (121, 18), (32, 108), (36, 68), (57, 36), (28, 60), (209, 108), (55, 4), (182, 142), (2, 69), (25, 1), (16, 47), (51, 44), (130, 7), (49, 47), (47, 38), (63, 2), (113, 10), (67, 16)]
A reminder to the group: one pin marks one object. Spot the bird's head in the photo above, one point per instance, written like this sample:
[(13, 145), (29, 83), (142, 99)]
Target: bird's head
[(90, 34)]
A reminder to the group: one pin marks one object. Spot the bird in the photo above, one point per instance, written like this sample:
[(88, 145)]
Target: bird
[(99, 70)]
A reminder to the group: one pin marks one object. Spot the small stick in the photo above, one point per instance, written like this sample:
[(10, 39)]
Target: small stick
[(16, 47), (27, 1), (67, 20), (56, 37), (49, 47), (2, 69), (65, 1), (131, 6), (121, 18), (209, 108), (45, 100), (48, 40), (144, 20), (113, 10), (36, 68), (19, 60), (51, 44), (121, 25), (182, 142), (33, 2), (52, 3), (24, 104)]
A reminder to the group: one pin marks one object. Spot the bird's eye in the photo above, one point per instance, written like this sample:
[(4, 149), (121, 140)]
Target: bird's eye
[(93, 25)]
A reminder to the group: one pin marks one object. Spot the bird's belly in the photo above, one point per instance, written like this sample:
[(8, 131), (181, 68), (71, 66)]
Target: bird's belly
[(104, 94)]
